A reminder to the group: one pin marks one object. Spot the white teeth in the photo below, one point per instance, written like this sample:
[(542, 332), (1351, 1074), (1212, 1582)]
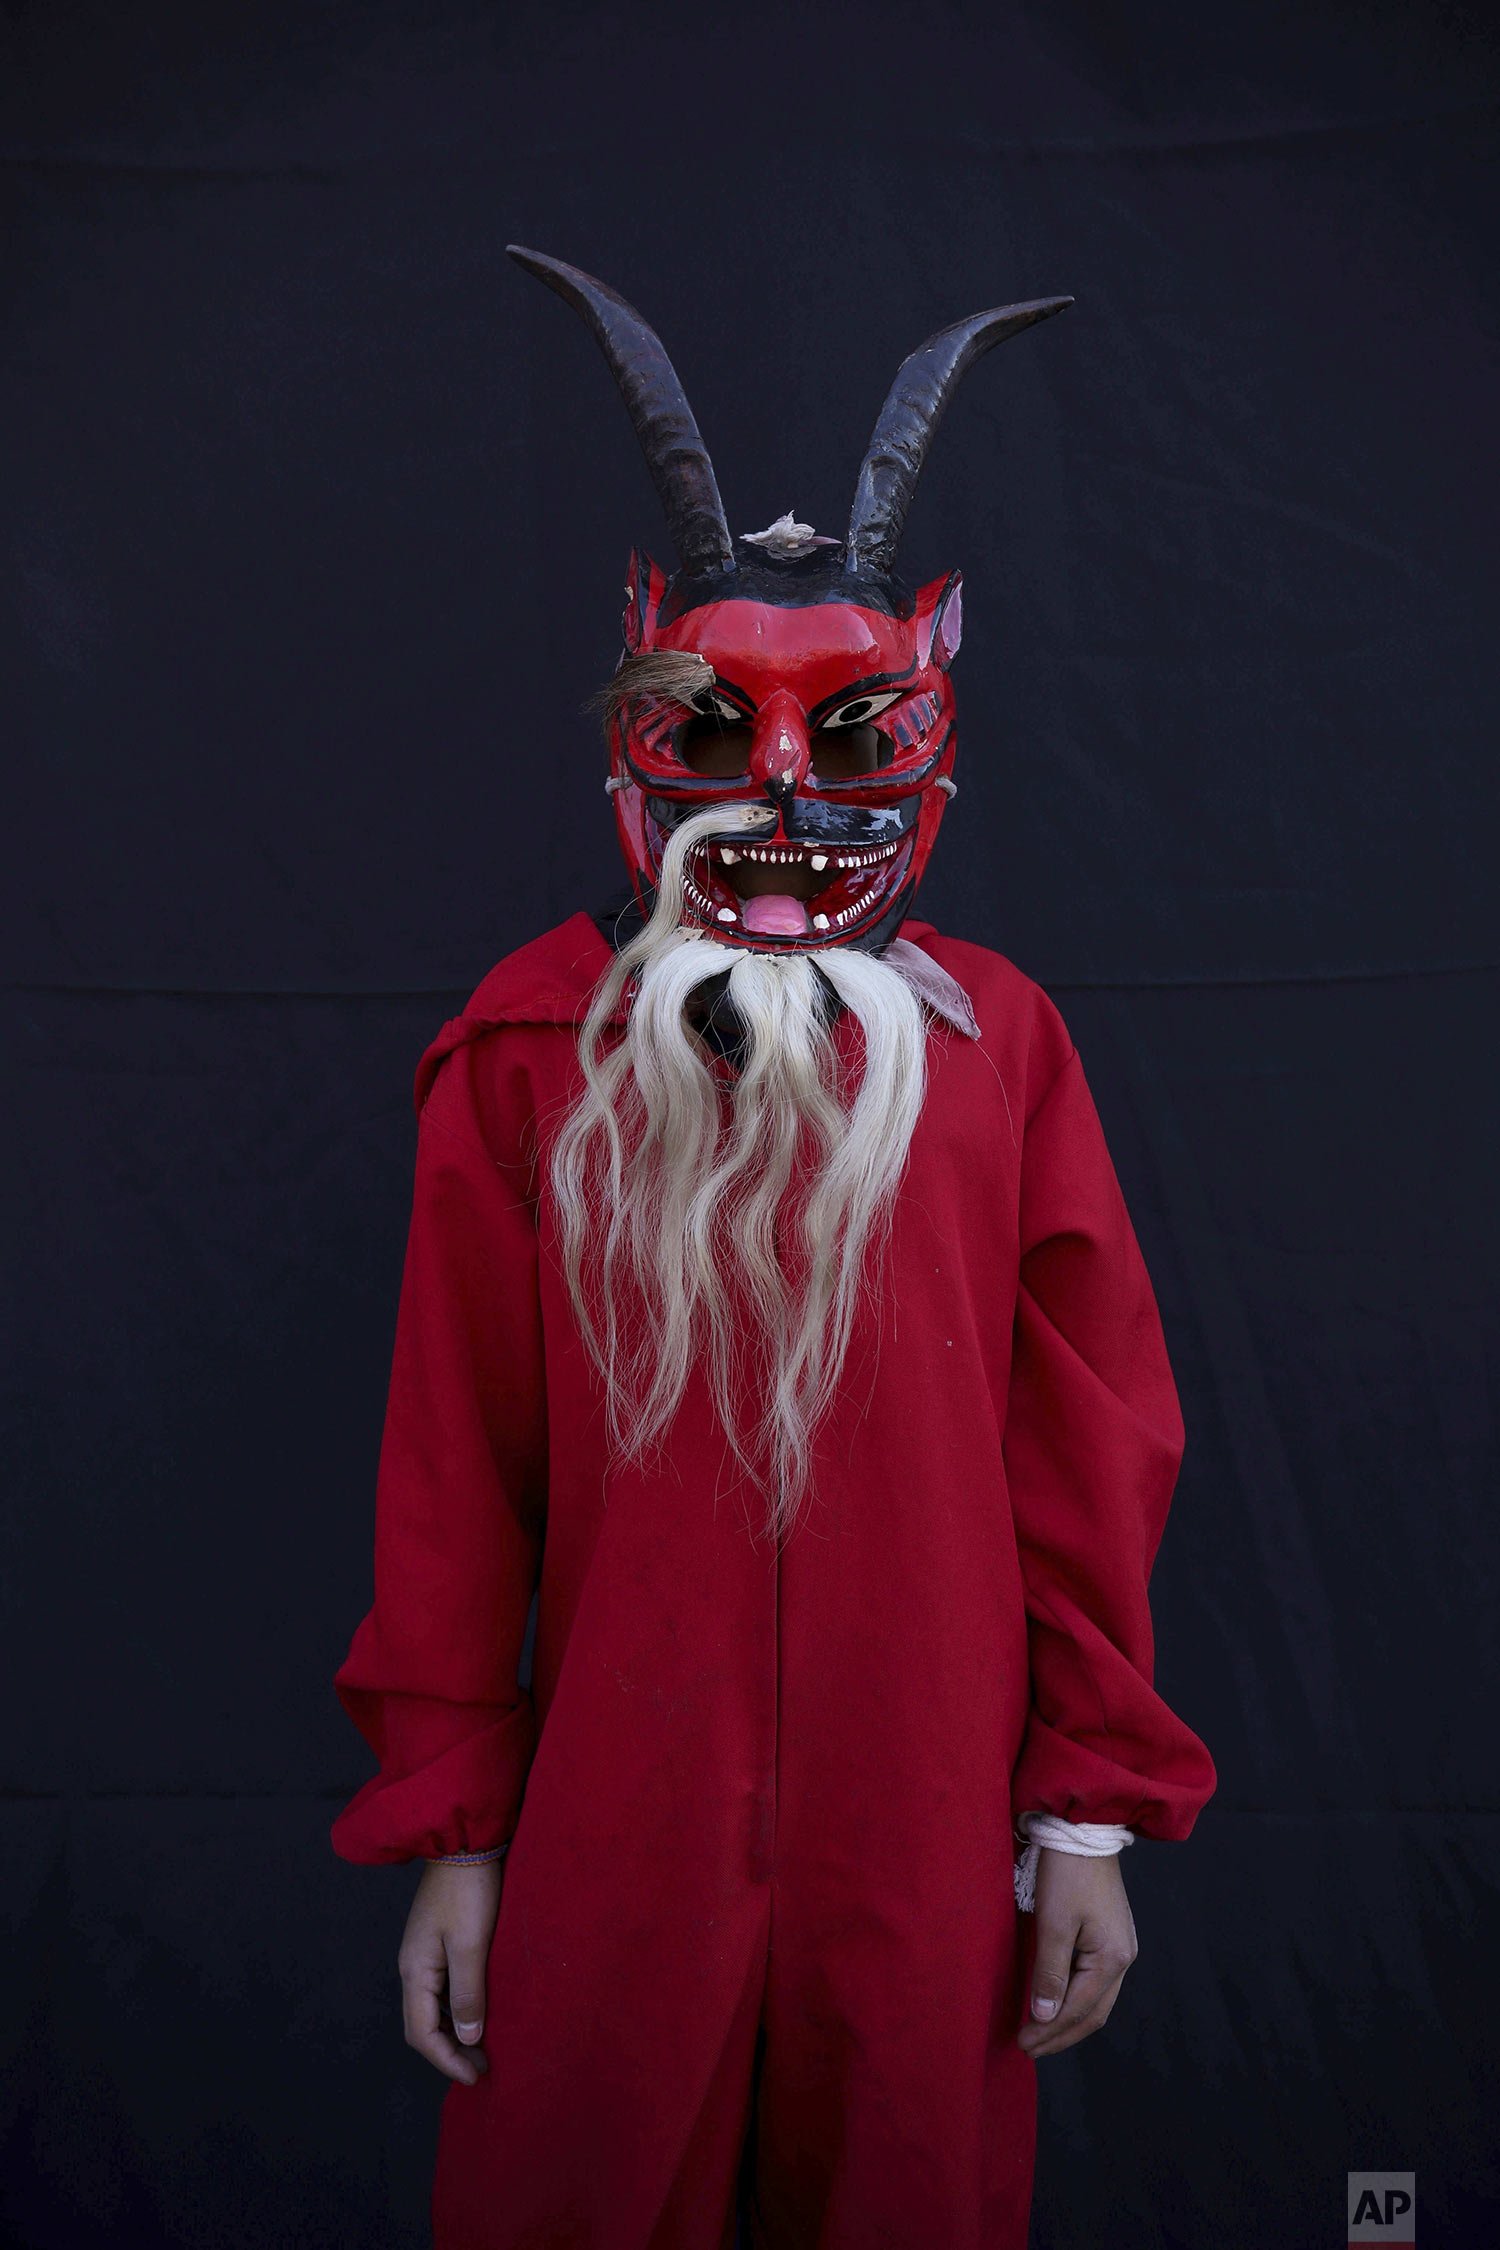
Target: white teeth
[(727, 914), (820, 921), (797, 856)]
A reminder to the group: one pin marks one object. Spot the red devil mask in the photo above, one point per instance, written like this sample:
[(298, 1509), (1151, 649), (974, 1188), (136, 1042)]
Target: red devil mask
[(821, 685)]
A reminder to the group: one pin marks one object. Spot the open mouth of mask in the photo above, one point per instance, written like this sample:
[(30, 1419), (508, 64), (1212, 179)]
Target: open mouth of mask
[(792, 888)]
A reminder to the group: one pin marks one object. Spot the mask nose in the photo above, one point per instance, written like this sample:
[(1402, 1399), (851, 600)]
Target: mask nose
[(780, 752)]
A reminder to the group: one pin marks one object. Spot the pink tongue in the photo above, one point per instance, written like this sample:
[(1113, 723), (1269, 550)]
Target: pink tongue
[(774, 914)]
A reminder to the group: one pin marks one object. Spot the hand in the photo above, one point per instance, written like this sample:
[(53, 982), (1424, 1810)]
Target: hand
[(1085, 1941), (443, 1957)]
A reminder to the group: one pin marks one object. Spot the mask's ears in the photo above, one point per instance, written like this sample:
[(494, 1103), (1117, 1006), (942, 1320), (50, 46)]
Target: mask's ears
[(645, 583), (940, 620)]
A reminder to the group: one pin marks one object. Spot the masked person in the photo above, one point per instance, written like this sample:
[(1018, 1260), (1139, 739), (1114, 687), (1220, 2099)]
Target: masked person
[(772, 1314)]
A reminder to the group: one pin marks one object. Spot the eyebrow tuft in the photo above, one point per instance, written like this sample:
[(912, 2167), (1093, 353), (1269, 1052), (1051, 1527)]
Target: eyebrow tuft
[(673, 674)]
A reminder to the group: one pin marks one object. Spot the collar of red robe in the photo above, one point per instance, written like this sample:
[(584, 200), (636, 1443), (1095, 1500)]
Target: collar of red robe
[(553, 978)]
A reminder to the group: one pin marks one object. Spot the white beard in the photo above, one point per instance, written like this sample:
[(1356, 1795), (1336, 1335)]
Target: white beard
[(668, 1192)]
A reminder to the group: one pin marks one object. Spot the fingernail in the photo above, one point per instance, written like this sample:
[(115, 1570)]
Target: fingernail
[(1043, 2008), (468, 2032)]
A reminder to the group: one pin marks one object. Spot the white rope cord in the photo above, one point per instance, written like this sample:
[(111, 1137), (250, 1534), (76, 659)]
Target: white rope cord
[(1091, 1839)]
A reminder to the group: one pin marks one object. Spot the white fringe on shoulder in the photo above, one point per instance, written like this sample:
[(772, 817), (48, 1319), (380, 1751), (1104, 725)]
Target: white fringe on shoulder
[(932, 983)]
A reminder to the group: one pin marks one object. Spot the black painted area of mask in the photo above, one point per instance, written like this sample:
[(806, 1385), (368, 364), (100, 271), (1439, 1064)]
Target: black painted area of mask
[(799, 584), (808, 818)]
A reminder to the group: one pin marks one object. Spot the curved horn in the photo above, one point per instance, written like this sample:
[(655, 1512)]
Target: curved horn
[(914, 406), (675, 452)]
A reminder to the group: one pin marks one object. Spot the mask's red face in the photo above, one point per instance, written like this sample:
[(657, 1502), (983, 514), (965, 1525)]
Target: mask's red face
[(839, 716)]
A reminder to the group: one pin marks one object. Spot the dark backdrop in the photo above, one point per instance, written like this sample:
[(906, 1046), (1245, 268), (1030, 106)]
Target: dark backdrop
[(316, 512)]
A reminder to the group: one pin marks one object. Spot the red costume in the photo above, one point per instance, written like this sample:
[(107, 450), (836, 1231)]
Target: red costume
[(758, 1917)]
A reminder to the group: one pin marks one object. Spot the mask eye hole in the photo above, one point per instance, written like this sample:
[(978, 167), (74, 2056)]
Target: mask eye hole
[(717, 743), (843, 753), (846, 744)]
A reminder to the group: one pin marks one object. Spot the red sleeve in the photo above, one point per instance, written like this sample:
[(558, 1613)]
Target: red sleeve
[(431, 1677), (1094, 1439)]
